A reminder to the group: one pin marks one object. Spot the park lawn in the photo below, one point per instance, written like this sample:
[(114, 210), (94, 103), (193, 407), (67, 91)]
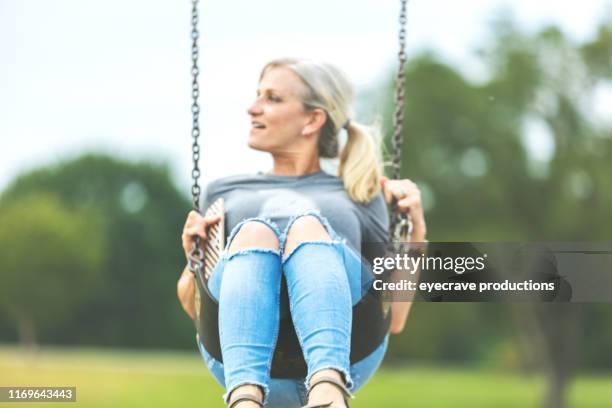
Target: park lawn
[(111, 378)]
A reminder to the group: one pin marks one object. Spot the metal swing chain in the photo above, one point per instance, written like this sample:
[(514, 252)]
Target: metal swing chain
[(400, 225), (196, 256)]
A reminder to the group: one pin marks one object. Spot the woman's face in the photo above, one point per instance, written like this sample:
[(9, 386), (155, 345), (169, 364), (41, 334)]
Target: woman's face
[(278, 119)]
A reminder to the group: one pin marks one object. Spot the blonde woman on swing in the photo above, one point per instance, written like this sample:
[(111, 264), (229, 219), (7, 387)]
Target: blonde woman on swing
[(298, 222)]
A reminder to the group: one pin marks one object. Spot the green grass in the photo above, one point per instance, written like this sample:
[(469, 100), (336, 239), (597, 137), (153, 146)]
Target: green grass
[(173, 379)]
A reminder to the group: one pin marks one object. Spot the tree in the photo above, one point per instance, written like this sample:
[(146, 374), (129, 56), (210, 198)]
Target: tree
[(470, 147), (135, 301), (50, 261)]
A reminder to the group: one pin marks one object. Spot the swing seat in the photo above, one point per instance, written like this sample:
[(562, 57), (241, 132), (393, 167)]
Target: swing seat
[(370, 326)]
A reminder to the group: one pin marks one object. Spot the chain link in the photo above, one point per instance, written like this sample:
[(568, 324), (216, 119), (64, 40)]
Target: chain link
[(196, 256), (399, 224)]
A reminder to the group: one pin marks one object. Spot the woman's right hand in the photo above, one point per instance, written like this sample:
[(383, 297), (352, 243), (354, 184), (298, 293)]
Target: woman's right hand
[(196, 225)]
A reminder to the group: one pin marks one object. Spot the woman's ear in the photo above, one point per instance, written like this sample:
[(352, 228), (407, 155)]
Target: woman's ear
[(316, 120)]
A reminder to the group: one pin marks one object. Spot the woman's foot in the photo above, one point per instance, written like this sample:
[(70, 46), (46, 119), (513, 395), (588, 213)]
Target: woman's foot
[(252, 392), (325, 392)]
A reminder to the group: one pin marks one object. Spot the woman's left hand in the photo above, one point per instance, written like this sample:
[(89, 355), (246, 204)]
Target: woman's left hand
[(408, 197)]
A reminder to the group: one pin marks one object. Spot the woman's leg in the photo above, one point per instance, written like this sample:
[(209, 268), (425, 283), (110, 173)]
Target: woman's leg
[(320, 302), (363, 370), (249, 308)]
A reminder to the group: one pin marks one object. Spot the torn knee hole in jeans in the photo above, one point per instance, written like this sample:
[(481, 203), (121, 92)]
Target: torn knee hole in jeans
[(227, 255), (333, 237), (266, 221)]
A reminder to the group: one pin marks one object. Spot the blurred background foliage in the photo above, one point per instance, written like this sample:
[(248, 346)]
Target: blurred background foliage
[(90, 247), (137, 212)]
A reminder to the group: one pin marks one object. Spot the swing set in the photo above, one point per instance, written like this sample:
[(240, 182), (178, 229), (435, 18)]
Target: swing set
[(371, 317)]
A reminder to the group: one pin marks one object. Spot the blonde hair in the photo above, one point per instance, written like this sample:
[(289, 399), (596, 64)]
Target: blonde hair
[(328, 89)]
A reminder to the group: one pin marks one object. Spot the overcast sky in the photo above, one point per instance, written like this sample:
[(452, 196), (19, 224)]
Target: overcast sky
[(113, 75)]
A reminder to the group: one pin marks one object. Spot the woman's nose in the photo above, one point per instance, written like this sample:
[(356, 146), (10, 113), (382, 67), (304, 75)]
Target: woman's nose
[(254, 109)]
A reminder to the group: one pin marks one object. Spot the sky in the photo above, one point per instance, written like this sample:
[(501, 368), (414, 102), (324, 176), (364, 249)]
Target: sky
[(114, 76)]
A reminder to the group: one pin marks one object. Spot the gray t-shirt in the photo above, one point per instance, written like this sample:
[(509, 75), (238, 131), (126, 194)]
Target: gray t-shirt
[(280, 197)]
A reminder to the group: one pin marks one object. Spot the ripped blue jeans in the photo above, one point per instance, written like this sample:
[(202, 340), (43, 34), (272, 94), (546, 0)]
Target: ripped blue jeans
[(324, 280)]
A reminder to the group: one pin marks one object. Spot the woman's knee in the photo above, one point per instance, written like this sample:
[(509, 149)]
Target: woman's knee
[(254, 234), (305, 228)]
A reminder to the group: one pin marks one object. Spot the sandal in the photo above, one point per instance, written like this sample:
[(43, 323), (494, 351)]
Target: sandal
[(244, 397), (330, 380)]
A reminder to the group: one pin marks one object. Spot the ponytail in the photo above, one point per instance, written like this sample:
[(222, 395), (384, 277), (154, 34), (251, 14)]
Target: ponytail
[(359, 166)]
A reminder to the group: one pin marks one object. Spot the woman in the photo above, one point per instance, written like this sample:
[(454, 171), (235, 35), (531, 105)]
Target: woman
[(306, 225)]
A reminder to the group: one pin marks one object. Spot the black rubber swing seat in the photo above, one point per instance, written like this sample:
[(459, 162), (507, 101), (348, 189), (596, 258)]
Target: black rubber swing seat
[(369, 328)]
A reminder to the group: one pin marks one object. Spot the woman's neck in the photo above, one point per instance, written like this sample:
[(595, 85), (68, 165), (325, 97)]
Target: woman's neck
[(295, 166)]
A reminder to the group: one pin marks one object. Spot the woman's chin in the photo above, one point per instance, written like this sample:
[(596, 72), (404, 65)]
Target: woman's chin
[(255, 145)]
